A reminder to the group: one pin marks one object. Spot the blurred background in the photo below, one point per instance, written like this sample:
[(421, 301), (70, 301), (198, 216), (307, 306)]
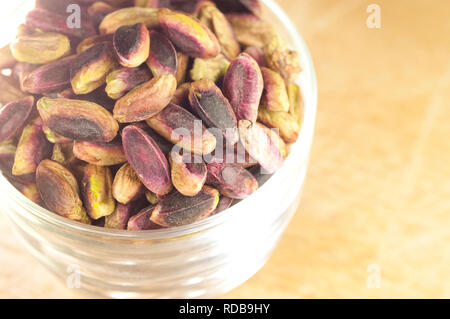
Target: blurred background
[(375, 216)]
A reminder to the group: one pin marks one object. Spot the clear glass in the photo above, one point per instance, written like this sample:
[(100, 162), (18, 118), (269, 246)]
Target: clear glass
[(205, 259)]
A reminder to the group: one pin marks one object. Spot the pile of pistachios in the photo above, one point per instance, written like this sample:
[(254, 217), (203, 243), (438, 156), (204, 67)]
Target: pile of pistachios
[(145, 114)]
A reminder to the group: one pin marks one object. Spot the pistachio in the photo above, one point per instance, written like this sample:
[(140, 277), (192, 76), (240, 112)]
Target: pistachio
[(183, 63), (178, 210), (163, 57), (296, 102), (188, 173), (146, 100), (188, 34), (224, 204), (122, 80), (90, 68), (286, 123), (10, 91), (258, 54), (78, 120), (275, 97), (139, 148), (96, 189), (33, 147), (213, 108), (218, 23), (282, 60), (91, 41), (48, 21), (212, 69), (263, 144), (101, 154), (132, 45), (48, 78), (180, 127), (6, 58), (129, 16), (59, 190), (63, 154), (232, 181), (141, 221), (243, 86), (251, 30), (126, 186), (13, 117), (40, 48)]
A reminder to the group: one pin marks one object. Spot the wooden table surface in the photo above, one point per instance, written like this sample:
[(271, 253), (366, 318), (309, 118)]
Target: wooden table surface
[(376, 204)]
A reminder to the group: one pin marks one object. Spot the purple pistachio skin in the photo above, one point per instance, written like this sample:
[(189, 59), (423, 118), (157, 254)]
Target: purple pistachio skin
[(48, 21), (163, 56), (48, 78), (224, 204), (139, 149), (13, 117), (188, 34), (178, 210), (232, 181), (33, 148), (213, 108), (141, 221), (180, 127), (132, 45), (243, 86)]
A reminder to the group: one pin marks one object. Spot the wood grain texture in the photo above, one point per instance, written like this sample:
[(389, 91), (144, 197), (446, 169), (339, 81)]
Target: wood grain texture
[(378, 188)]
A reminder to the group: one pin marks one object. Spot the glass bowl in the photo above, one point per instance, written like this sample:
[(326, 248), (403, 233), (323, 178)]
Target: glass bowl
[(205, 259)]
